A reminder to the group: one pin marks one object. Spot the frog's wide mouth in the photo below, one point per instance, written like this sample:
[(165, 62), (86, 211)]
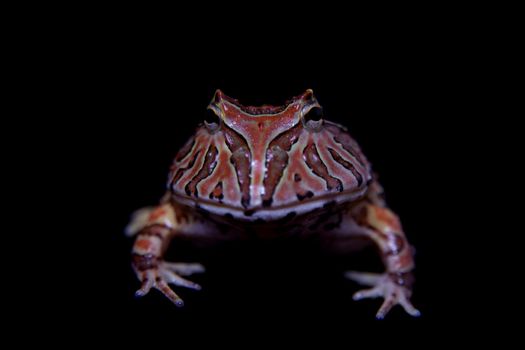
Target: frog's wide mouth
[(270, 213)]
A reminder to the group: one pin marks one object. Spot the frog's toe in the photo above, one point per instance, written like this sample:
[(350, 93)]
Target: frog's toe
[(168, 273), (364, 278), (184, 269), (172, 278), (367, 293), (148, 280), (397, 296), (153, 279), (409, 308), (385, 286)]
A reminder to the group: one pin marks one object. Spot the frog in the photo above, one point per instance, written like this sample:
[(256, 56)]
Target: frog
[(271, 171)]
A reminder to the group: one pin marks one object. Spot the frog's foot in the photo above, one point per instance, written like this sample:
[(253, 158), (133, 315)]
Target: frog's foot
[(394, 288), (168, 273)]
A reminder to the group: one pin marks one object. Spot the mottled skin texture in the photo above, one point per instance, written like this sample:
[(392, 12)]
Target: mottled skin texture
[(272, 171)]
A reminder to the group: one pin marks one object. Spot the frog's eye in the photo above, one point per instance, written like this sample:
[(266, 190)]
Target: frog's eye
[(212, 120), (313, 119)]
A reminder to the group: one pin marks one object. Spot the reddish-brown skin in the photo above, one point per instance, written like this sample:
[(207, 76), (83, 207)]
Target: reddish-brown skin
[(272, 171), (257, 162)]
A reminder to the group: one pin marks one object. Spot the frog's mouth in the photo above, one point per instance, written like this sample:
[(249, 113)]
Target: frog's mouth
[(271, 213)]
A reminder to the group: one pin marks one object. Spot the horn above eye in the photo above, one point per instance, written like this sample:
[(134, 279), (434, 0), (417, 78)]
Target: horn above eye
[(313, 119), (212, 120)]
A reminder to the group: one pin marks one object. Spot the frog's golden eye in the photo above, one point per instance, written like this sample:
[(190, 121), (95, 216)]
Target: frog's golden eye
[(313, 119), (212, 120)]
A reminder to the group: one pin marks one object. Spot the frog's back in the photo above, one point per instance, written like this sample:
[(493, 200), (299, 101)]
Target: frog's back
[(268, 162)]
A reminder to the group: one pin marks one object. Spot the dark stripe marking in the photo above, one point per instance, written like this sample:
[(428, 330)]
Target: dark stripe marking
[(314, 162), (308, 194), (217, 192), (206, 170), (342, 137), (186, 149), (181, 171), (337, 157), (241, 160)]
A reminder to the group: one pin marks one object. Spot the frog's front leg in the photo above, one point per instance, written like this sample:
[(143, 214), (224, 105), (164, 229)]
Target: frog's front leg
[(383, 227), (155, 228)]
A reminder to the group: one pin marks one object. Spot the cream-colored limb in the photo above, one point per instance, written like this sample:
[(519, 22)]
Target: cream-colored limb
[(382, 226), (154, 227)]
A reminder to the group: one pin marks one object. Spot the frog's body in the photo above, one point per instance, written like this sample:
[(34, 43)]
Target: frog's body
[(269, 171)]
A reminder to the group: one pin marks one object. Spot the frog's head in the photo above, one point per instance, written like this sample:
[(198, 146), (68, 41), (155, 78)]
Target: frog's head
[(267, 162)]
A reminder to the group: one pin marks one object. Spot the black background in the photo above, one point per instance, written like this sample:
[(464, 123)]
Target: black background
[(134, 105)]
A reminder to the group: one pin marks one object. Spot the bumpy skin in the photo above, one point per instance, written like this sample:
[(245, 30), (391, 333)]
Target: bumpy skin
[(260, 162), (272, 171)]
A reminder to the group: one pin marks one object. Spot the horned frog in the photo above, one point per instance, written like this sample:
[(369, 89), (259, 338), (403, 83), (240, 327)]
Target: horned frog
[(271, 171)]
